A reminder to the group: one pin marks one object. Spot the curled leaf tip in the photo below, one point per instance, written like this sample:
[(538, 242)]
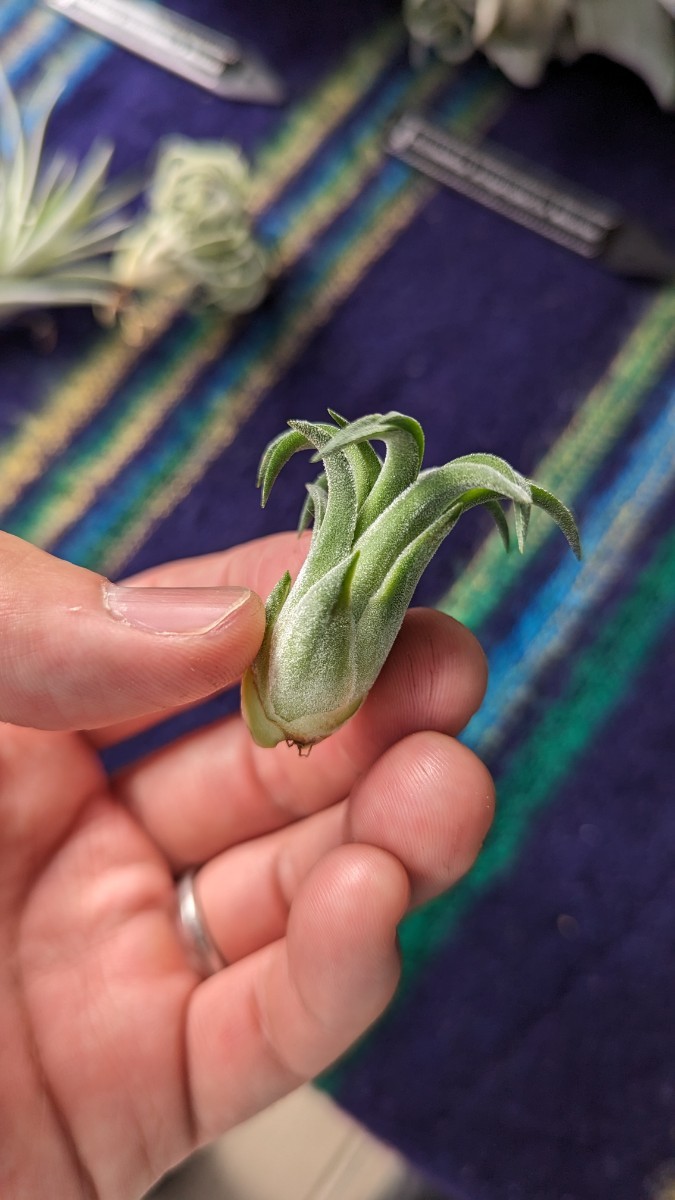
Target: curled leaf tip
[(376, 524)]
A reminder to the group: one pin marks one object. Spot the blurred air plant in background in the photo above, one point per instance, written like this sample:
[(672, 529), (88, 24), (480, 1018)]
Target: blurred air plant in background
[(197, 238), (59, 221)]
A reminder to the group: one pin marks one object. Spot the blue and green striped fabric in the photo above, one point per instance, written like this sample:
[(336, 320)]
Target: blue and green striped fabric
[(530, 1052)]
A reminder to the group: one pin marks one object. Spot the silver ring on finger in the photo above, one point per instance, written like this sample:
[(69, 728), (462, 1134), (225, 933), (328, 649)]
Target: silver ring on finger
[(204, 955)]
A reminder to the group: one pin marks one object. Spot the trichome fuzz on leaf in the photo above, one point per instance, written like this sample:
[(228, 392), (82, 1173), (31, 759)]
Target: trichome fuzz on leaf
[(376, 525)]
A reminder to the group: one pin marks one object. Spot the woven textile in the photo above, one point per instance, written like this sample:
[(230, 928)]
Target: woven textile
[(530, 1052)]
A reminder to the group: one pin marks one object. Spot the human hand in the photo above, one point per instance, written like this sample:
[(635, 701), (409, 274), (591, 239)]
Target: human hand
[(118, 1059)]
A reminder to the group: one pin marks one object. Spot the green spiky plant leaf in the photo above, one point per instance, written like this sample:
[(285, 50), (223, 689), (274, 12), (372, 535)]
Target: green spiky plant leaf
[(59, 222), (376, 526)]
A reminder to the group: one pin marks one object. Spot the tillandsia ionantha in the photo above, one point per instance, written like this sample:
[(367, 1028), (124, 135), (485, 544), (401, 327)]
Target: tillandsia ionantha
[(376, 526)]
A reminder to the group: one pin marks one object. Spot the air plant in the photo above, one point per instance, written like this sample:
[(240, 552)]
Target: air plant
[(58, 221), (197, 239), (376, 526)]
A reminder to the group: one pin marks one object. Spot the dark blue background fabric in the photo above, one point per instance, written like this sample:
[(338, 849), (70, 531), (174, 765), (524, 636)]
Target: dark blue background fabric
[(530, 1053)]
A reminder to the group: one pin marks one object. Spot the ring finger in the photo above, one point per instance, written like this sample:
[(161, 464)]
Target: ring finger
[(428, 801)]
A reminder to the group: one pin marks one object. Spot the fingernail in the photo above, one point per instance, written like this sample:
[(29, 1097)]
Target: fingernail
[(174, 610)]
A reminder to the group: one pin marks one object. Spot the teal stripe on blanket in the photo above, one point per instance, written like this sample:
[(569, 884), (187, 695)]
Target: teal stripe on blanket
[(56, 29), (612, 526), (11, 13)]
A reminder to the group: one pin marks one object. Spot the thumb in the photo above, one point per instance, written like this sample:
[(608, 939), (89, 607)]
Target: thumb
[(77, 652)]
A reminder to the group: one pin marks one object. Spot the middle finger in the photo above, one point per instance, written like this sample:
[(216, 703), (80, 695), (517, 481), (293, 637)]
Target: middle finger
[(428, 801), (216, 788)]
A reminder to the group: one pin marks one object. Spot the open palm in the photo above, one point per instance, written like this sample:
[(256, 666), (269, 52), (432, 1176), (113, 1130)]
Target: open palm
[(117, 1059)]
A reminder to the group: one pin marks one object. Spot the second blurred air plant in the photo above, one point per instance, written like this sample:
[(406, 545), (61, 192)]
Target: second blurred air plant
[(196, 239)]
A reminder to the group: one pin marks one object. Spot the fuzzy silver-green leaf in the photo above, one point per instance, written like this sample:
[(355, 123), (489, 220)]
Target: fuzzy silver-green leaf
[(376, 527)]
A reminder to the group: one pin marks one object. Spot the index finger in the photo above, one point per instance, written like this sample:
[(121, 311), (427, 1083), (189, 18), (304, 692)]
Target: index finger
[(258, 565)]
